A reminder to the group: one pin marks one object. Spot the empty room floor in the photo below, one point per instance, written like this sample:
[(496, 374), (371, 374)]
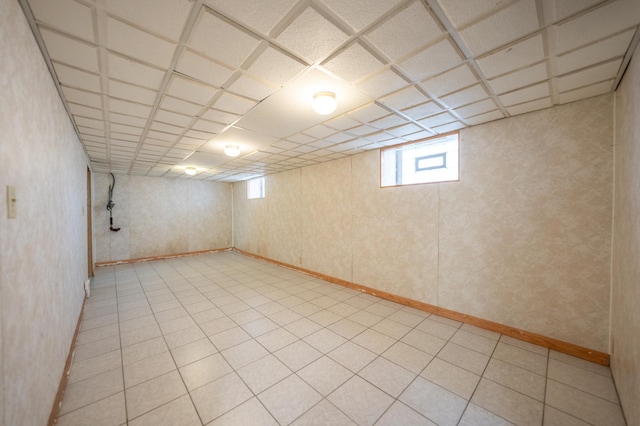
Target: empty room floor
[(225, 339)]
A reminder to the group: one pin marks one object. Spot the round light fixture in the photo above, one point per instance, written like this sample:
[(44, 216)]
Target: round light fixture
[(232, 150), (190, 170), (324, 102)]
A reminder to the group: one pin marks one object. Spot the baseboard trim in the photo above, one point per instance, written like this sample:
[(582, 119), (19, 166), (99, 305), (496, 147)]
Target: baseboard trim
[(65, 373), (527, 336), (165, 256)]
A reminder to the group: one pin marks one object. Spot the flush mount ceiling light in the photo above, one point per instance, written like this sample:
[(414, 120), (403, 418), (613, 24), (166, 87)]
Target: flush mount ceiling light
[(232, 150), (190, 170), (324, 102)]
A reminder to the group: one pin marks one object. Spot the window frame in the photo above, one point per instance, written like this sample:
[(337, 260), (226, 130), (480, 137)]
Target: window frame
[(263, 187), (418, 141)]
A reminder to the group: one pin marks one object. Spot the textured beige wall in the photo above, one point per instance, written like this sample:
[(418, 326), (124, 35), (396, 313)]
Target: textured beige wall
[(625, 306), (522, 239), (43, 252), (160, 216)]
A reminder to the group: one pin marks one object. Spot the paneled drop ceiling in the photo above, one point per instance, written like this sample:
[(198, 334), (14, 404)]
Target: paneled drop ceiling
[(153, 86)]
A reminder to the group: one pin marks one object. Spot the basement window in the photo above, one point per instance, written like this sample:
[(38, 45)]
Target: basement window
[(425, 161), (255, 188)]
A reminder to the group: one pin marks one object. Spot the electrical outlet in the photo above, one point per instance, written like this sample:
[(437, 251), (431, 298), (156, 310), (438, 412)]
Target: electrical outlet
[(11, 202)]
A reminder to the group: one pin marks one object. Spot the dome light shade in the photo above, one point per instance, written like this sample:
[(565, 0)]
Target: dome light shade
[(232, 150), (324, 102), (190, 170)]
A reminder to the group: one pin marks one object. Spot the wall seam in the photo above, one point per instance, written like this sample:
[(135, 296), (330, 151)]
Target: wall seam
[(613, 211)]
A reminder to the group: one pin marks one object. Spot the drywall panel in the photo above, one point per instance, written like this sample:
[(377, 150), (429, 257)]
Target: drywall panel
[(523, 238), (525, 234), (159, 216), (284, 217), (395, 233), (625, 306), (250, 221), (43, 251), (327, 218)]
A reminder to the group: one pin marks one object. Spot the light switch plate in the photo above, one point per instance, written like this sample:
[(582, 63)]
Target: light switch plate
[(11, 202)]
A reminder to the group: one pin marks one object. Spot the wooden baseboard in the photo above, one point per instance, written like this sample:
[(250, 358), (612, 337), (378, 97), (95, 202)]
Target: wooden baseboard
[(166, 256), (65, 373), (527, 336)]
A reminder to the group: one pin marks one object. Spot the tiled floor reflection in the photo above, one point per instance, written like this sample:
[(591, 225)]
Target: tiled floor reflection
[(224, 339)]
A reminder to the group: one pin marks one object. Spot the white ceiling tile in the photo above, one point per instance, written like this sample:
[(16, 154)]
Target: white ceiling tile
[(589, 76), (203, 69), (261, 16), (312, 36), (321, 143), (70, 16), (477, 108), (220, 116), (339, 137), (85, 111), (190, 90), (129, 108), (232, 45), (559, 9), (275, 66), (300, 138), (360, 14), (521, 78), (599, 23), (342, 122), (125, 69), (530, 106), (122, 138), (69, 51), (82, 97), (132, 93), (525, 95), (460, 12), (73, 77), (319, 131), (362, 130), (456, 125), (432, 60), (164, 17), (387, 122), (465, 96), (138, 44), (405, 129), (252, 88), (420, 111), (404, 98), (586, 92), (199, 134), (166, 128), (173, 118), (233, 104), (129, 130), (597, 52), (450, 81), (422, 134), (209, 126), (284, 144), (90, 131), (353, 63), (437, 120), (514, 22), (485, 118), (178, 105), (160, 138), (90, 122), (513, 57), (408, 30), (127, 119), (368, 113), (382, 83)]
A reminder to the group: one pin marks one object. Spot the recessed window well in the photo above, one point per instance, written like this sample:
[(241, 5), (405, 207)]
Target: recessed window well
[(255, 188), (426, 161)]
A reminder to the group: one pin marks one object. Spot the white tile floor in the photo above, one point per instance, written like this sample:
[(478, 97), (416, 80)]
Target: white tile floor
[(224, 339)]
